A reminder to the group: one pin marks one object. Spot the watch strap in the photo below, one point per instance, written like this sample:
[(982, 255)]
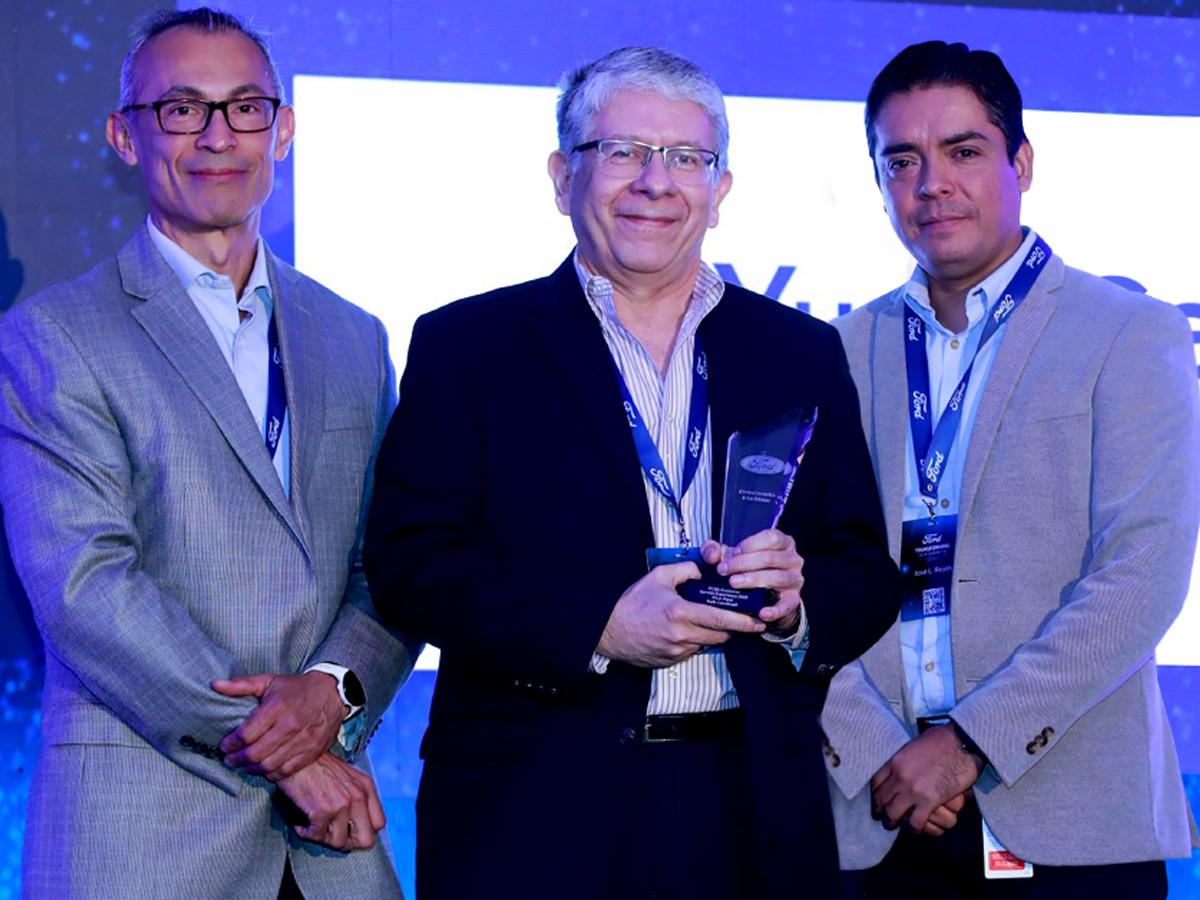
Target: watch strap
[(348, 686)]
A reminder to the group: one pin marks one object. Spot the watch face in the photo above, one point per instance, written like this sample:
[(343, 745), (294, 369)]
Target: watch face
[(353, 690)]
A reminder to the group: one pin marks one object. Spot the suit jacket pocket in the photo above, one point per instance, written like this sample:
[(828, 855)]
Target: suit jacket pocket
[(88, 723), (339, 417)]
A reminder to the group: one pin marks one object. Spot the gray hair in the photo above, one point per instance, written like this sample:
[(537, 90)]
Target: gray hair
[(204, 19), (584, 91)]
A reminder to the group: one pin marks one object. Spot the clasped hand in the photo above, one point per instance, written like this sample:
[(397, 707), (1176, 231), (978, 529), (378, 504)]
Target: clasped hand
[(652, 626), (926, 783), (340, 802), (297, 719), (286, 740)]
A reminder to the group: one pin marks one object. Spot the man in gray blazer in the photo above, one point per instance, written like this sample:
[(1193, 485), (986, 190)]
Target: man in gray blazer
[(1034, 432), (185, 437)]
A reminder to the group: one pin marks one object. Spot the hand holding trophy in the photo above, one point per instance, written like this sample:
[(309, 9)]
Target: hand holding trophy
[(760, 469)]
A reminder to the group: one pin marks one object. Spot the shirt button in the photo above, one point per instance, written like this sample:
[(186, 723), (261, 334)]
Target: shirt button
[(929, 667), (945, 504), (672, 674), (954, 344)]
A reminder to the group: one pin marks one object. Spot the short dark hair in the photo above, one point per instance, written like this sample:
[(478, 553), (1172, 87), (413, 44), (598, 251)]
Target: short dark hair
[(203, 19), (936, 63)]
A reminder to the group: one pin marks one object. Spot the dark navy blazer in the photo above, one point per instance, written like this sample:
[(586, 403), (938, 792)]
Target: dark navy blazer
[(509, 516)]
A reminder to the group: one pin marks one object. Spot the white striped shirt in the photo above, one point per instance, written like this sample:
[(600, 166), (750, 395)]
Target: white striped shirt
[(700, 683)]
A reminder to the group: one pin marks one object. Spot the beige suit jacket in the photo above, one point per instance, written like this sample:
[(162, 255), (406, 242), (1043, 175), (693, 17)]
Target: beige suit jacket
[(1077, 526)]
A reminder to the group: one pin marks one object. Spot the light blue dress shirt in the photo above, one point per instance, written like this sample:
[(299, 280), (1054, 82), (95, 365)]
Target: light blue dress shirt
[(242, 340), (925, 643)]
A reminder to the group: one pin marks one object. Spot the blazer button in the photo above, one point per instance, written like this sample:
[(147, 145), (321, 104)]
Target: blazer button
[(826, 669), (1047, 732), (835, 760), (1031, 748), (188, 741), (628, 735)]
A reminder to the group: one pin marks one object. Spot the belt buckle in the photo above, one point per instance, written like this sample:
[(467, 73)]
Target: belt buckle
[(648, 739)]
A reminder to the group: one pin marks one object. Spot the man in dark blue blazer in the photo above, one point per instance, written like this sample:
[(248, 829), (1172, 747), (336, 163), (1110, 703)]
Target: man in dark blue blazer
[(593, 734)]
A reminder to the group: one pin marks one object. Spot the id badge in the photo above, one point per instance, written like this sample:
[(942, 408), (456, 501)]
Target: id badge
[(1000, 863), (927, 567)]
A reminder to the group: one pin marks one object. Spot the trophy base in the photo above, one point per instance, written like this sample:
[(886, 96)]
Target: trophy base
[(712, 589)]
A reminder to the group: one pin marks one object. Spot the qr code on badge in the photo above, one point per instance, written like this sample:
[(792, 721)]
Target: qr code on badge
[(933, 601)]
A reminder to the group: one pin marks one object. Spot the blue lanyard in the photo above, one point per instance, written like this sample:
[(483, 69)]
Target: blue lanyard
[(931, 448), (647, 451), (276, 392)]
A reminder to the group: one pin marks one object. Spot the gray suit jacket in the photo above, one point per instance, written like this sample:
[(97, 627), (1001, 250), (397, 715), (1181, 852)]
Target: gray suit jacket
[(160, 552), (1076, 530)]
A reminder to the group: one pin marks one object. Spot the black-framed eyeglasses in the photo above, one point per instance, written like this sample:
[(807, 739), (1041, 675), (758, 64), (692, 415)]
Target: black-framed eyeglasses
[(626, 159), (190, 115)]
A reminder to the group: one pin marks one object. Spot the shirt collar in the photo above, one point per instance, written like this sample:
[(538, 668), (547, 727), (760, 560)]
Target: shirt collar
[(190, 271), (706, 294), (979, 298)]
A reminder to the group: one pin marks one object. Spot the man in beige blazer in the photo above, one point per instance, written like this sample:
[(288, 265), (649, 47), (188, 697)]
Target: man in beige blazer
[(1034, 433)]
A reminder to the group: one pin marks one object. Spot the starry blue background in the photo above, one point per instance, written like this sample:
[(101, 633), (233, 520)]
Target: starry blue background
[(66, 202)]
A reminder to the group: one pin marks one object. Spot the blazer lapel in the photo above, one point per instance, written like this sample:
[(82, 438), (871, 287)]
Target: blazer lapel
[(1020, 336), (575, 345), (171, 321), (889, 415), (303, 372), (725, 372)]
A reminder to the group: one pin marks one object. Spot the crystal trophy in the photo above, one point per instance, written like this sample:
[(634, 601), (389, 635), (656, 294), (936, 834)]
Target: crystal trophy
[(760, 469)]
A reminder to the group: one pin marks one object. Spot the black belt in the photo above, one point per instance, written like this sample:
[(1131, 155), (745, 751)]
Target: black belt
[(701, 726)]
